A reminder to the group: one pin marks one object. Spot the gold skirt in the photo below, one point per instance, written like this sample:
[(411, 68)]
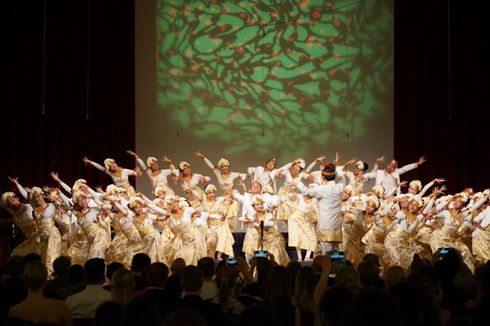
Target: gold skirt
[(274, 243), (399, 248), (481, 244), (301, 233)]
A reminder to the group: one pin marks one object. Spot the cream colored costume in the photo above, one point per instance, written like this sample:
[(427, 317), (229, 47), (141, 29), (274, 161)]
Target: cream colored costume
[(120, 179), (399, 244), (160, 177), (218, 213), (481, 236), (49, 234), (266, 177), (389, 181), (23, 219), (225, 182), (193, 183), (301, 232)]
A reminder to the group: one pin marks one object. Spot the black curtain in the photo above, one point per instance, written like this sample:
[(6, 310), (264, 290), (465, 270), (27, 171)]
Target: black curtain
[(442, 54), (68, 89)]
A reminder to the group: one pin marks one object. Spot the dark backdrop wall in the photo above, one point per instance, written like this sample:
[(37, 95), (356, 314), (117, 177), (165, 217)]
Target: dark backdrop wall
[(442, 83), (68, 89)]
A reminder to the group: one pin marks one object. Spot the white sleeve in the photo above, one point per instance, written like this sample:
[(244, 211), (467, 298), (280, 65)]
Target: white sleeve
[(186, 216), (414, 225), (157, 209), (251, 171), (238, 196), (313, 192), (407, 168), (311, 166), (370, 175), (65, 186), (426, 187), (97, 166), (141, 163), (21, 190), (209, 163), (269, 220)]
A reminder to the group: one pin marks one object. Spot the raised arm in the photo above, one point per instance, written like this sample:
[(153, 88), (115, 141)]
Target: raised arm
[(21, 189), (319, 159), (94, 164), (412, 166), (170, 164), (63, 185), (200, 155), (157, 209), (377, 163), (138, 160)]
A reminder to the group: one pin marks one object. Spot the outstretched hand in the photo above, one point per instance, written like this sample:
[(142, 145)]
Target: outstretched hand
[(55, 176), (132, 153), (14, 180), (421, 160), (166, 159), (199, 154), (320, 158)]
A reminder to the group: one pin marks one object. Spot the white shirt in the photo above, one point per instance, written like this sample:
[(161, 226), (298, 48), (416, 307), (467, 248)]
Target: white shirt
[(84, 304), (330, 198)]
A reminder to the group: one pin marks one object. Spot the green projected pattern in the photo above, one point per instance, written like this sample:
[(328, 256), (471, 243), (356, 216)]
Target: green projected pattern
[(280, 77)]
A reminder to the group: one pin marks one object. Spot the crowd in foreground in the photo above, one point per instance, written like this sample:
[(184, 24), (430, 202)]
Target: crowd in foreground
[(440, 291)]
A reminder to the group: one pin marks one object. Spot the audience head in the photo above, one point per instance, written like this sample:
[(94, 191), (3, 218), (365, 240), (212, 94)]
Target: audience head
[(35, 275), (417, 264), (226, 277), (30, 257), (76, 274), (141, 311), (184, 317), (206, 265), (111, 268), (177, 266), (13, 266), (304, 288), (278, 285), (157, 275), (61, 265), (264, 266), (415, 298), (122, 286), (393, 275), (257, 315), (95, 271), (191, 279), (348, 277), (109, 313), (140, 263), (373, 307), (371, 257), (334, 305), (448, 265), (368, 273)]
